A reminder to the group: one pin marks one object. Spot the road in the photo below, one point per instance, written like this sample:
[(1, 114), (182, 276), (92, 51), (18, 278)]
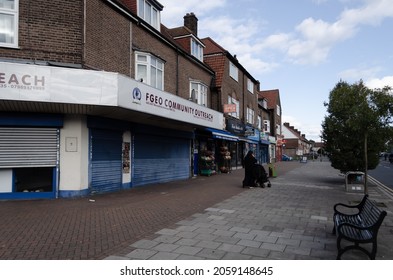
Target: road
[(383, 173)]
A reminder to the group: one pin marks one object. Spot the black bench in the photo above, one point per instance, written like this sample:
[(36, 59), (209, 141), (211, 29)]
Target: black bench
[(360, 226)]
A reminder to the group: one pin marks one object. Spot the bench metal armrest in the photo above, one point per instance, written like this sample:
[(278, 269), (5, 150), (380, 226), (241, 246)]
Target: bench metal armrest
[(358, 206), (336, 211)]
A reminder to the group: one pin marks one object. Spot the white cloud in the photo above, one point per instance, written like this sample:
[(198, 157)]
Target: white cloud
[(357, 74), (316, 37), (255, 65), (380, 83), (311, 131), (310, 42)]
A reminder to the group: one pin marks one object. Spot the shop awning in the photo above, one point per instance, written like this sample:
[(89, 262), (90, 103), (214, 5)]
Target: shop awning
[(222, 134), (248, 140), (265, 142)]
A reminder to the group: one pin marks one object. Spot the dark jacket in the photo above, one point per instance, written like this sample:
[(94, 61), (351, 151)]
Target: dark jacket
[(249, 163)]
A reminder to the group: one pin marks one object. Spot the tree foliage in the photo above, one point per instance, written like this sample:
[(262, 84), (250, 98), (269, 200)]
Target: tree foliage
[(359, 120)]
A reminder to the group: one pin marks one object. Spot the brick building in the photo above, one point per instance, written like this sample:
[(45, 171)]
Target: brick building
[(94, 98), (235, 86), (296, 144), (274, 106), (99, 96)]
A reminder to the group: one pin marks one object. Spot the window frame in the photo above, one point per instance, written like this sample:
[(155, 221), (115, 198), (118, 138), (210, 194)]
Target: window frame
[(233, 71), (250, 115), (150, 13), (196, 49), (15, 14), (200, 92), (151, 63), (266, 126), (250, 86), (232, 100)]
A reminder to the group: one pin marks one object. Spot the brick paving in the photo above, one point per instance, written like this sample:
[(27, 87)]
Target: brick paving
[(200, 218)]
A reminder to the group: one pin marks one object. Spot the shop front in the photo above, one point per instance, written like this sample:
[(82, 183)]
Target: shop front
[(237, 128), (160, 155), (252, 139), (264, 148), (214, 151), (29, 155), (108, 133), (272, 149)]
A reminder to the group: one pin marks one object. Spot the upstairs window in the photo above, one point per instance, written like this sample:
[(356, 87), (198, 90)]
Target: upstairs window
[(9, 12), (278, 129), (149, 70), (278, 110), (233, 72), (266, 126), (264, 103), (198, 93), (149, 13), (259, 122), (250, 115), (232, 100), (196, 49), (250, 86)]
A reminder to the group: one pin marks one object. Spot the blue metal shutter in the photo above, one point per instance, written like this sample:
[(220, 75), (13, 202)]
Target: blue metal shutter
[(106, 164), (159, 159)]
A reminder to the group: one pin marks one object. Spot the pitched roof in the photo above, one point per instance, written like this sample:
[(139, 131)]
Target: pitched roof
[(272, 97), (217, 63), (180, 31), (211, 47), (296, 132)]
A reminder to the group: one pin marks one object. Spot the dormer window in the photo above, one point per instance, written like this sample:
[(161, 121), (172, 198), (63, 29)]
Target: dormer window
[(264, 104), (196, 49), (149, 13)]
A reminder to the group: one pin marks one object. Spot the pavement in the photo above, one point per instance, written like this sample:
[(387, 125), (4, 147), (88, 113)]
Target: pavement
[(201, 218)]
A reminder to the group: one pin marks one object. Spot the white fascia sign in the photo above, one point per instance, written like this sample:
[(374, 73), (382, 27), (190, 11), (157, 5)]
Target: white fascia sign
[(140, 97), (24, 82)]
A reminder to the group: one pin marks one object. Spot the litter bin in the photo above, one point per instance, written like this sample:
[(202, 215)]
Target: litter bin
[(354, 181), (272, 171)]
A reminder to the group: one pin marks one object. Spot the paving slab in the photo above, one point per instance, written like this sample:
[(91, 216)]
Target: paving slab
[(291, 220)]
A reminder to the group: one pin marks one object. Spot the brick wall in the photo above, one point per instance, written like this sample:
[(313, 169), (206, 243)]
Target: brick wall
[(54, 31), (175, 82), (108, 38), (49, 30)]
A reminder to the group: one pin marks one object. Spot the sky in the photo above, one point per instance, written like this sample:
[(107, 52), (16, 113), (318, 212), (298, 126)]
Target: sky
[(303, 48)]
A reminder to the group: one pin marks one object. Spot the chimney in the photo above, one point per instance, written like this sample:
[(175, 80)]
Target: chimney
[(191, 22)]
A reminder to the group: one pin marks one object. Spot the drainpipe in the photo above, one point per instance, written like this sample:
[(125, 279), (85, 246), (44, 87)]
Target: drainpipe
[(177, 71)]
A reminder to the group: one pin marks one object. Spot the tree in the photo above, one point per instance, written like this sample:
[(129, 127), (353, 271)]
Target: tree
[(357, 126)]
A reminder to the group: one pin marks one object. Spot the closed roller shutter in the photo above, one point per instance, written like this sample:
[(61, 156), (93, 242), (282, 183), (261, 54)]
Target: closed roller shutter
[(106, 164), (28, 147), (159, 159)]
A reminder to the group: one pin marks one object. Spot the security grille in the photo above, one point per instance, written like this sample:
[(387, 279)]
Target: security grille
[(28, 147)]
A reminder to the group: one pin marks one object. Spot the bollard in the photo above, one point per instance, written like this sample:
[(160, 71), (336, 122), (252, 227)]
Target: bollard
[(272, 171)]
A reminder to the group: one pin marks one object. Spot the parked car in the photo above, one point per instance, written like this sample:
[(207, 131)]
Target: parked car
[(286, 158)]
